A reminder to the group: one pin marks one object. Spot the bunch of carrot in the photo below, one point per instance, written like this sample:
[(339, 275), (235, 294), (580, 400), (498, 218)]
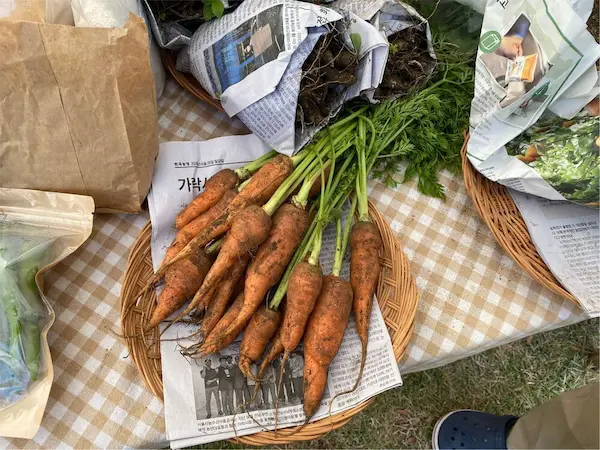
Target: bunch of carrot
[(260, 229)]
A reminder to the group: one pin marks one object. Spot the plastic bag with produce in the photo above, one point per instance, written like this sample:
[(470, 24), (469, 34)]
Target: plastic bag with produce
[(37, 230)]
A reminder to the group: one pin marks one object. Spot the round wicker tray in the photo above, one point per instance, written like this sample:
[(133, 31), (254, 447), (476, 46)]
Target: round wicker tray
[(396, 293), (499, 212), (187, 81)]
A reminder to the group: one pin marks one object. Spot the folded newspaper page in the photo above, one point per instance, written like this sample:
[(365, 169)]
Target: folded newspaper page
[(391, 18), (567, 237), (534, 56), (252, 61), (202, 395)]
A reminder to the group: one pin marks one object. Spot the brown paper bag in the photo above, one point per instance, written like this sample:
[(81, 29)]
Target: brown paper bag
[(78, 111)]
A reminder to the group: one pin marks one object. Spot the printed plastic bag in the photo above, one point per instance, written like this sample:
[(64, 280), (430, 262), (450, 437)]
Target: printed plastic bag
[(37, 230)]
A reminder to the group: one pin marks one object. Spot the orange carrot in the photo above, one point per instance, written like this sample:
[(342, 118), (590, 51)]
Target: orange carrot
[(223, 294), (274, 351), (230, 315), (273, 256), (188, 232), (214, 189), (323, 337), (180, 284), (304, 287), (259, 188), (260, 330), (365, 245), (248, 230)]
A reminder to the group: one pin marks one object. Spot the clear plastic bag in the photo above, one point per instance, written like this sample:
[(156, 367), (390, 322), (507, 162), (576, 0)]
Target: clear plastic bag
[(37, 230)]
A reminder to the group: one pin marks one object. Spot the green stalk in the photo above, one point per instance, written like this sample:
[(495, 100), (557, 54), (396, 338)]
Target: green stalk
[(283, 190), (348, 226), (361, 175), (302, 197), (339, 257), (214, 247), (246, 172), (298, 157), (313, 259), (349, 118), (243, 185)]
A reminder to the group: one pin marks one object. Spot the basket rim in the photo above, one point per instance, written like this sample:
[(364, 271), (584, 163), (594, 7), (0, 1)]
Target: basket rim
[(187, 81), (510, 231), (400, 282)]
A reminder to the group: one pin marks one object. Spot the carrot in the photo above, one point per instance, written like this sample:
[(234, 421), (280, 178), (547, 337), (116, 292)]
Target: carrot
[(188, 232), (304, 287), (180, 284), (323, 337), (216, 186), (193, 228), (214, 189), (223, 294), (261, 328), (274, 351), (248, 230), (365, 244), (273, 256), (262, 183), (230, 315)]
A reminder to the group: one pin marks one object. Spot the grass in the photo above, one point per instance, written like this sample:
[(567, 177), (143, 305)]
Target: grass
[(507, 380)]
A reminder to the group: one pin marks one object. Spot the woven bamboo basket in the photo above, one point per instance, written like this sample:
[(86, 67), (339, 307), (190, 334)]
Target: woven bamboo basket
[(187, 81), (396, 293), (498, 210)]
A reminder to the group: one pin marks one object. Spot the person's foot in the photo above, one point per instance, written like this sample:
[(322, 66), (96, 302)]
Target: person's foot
[(220, 413), (208, 416), (466, 429)]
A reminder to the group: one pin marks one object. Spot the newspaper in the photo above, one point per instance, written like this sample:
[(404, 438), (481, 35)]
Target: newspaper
[(534, 56), (567, 237), (389, 17), (199, 409), (251, 60)]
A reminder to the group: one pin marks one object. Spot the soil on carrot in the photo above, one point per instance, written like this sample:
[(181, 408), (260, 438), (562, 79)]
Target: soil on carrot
[(331, 66), (409, 63)]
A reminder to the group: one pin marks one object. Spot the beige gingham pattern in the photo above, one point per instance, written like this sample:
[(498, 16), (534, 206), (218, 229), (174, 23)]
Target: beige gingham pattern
[(472, 297)]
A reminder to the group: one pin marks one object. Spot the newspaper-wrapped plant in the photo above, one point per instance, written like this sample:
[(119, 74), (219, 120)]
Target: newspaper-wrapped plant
[(410, 59), (328, 71), (284, 67), (534, 116), (173, 22)]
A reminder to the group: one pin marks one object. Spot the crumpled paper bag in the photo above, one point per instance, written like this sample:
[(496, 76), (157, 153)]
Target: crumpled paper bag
[(78, 110)]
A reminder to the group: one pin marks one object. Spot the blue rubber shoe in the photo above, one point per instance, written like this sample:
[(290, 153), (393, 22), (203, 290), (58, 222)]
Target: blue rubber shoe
[(467, 429)]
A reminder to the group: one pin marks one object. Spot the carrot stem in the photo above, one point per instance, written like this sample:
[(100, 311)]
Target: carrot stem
[(361, 177), (245, 172), (214, 247), (339, 257)]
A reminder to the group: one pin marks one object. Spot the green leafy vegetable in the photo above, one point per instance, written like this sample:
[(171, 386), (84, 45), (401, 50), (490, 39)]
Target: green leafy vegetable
[(217, 8), (356, 42)]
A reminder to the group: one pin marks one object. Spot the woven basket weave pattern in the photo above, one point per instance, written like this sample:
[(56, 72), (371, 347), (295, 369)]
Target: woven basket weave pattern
[(498, 210), (187, 81), (396, 293)]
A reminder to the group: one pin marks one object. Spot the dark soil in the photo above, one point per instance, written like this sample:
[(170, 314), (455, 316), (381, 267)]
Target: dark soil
[(187, 13), (330, 67), (593, 23), (408, 65)]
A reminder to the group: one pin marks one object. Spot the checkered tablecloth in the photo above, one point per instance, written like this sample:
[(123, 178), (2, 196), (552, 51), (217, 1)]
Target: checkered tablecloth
[(472, 297)]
